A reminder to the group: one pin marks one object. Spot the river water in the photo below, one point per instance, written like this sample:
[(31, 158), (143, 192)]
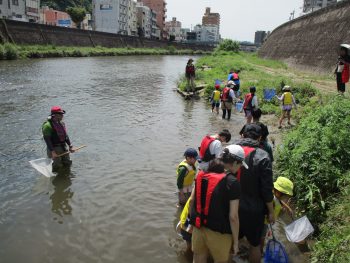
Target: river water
[(117, 203)]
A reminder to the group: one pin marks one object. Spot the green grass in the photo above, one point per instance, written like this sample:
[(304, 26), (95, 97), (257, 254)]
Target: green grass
[(9, 51), (254, 72)]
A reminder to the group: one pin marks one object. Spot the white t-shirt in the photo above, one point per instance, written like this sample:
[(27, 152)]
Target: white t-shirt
[(215, 148)]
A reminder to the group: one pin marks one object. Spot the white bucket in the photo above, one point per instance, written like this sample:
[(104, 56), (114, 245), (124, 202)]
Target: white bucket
[(43, 166), (298, 230)]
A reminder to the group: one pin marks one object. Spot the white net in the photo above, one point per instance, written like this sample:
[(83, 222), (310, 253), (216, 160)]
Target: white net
[(43, 166)]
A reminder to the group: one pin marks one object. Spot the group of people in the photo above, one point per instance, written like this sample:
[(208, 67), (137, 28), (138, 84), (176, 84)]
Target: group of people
[(228, 193)]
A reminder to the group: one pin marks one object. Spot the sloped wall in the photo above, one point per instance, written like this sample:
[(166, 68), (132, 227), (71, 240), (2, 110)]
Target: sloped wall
[(37, 34), (311, 41)]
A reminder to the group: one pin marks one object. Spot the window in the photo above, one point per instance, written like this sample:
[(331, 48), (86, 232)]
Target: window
[(15, 2)]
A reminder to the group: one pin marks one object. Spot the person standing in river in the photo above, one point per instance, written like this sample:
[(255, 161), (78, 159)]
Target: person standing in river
[(227, 98), (56, 138), (190, 73)]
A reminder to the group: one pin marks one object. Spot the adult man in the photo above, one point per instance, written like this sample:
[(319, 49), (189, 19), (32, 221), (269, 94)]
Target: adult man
[(256, 190), (56, 138), (227, 98), (214, 209), (250, 103), (211, 148)]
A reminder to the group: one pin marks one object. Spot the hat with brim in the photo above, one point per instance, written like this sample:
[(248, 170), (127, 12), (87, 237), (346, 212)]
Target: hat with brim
[(286, 88), (238, 153), (284, 185), (347, 46), (230, 83), (57, 110)]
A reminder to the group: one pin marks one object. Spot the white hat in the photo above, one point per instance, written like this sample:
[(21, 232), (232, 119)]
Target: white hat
[(238, 153), (230, 83)]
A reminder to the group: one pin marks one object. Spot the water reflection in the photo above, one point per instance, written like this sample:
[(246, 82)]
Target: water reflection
[(62, 193)]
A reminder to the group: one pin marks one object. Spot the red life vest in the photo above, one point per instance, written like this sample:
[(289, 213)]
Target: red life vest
[(345, 74), (235, 76), (226, 95), (248, 101), (247, 150), (190, 69), (204, 151), (205, 185)]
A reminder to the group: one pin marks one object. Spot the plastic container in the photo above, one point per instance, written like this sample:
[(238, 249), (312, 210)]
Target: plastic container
[(239, 106)]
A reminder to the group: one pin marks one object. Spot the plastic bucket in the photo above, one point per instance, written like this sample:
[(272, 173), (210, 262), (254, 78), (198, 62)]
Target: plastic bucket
[(239, 106)]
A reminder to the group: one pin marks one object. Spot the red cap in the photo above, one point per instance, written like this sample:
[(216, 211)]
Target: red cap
[(217, 86), (57, 109)]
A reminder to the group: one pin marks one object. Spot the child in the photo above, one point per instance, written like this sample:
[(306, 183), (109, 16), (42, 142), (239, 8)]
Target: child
[(287, 104), (183, 227), (283, 192), (215, 99), (249, 104), (190, 73), (186, 172)]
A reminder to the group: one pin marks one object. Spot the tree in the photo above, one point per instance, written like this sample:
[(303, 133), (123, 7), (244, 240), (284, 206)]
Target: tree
[(77, 14), (228, 45)]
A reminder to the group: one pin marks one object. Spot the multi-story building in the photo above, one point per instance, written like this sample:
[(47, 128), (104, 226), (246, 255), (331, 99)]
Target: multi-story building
[(132, 18), (313, 5), (123, 16), (209, 33), (155, 31), (184, 32), (210, 19), (260, 37), (105, 15), (173, 28), (49, 16), (159, 6), (33, 10), (144, 20), (13, 9)]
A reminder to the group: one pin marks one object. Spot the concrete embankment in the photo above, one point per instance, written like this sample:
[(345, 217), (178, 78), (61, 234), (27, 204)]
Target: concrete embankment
[(311, 41), (23, 33)]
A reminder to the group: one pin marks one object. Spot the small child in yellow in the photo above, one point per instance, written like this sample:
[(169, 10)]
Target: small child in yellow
[(183, 227), (215, 99), (186, 172), (283, 192)]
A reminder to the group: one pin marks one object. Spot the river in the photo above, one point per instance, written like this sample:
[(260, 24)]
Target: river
[(117, 203)]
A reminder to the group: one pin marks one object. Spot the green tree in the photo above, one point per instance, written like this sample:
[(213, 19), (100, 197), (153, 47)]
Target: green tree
[(228, 45), (77, 14)]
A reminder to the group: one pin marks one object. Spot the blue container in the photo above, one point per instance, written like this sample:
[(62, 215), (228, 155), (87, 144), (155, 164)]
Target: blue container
[(239, 106)]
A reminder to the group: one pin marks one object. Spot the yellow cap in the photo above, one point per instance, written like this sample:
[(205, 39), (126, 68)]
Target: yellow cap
[(284, 185)]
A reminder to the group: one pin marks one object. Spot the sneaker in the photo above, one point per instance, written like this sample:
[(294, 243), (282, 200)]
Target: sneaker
[(279, 127)]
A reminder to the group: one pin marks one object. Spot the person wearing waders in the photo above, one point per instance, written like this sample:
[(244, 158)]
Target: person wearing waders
[(288, 101), (342, 69), (227, 98), (249, 104), (56, 138), (190, 73)]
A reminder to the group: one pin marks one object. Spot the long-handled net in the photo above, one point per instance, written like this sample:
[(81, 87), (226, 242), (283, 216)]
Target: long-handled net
[(275, 251)]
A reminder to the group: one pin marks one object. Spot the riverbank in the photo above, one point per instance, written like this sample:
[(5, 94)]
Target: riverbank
[(10, 51), (313, 153)]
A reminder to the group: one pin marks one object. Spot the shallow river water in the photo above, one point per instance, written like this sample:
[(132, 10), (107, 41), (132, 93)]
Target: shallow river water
[(117, 203)]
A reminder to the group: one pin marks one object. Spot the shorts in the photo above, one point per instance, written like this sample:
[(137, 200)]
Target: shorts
[(215, 103), (287, 107), (226, 105), (218, 245), (251, 226), (248, 113), (340, 84)]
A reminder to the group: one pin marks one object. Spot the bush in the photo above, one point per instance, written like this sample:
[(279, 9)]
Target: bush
[(228, 45), (315, 156), (2, 52), (11, 51)]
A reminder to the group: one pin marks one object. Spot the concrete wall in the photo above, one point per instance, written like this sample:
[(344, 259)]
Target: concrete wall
[(31, 33), (311, 41)]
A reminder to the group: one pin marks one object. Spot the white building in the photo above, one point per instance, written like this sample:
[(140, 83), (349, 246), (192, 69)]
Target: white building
[(13, 9), (132, 18), (208, 33), (105, 15), (33, 10), (173, 28), (313, 5), (144, 20), (155, 31)]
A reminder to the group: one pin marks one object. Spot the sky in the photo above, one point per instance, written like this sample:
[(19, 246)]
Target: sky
[(239, 19)]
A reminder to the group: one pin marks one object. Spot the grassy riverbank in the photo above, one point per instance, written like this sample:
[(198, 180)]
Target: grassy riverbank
[(9, 51), (254, 72), (314, 154)]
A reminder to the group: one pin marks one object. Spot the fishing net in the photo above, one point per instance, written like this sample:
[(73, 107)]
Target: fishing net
[(269, 94), (275, 252), (43, 166)]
